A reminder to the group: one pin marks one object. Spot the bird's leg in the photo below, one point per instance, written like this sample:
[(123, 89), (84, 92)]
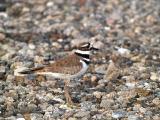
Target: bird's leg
[(67, 92)]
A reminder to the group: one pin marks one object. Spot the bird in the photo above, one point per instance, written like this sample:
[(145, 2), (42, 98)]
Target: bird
[(70, 67)]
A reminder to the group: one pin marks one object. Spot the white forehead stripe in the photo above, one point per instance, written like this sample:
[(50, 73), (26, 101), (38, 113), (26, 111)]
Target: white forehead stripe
[(86, 59), (83, 52), (85, 45)]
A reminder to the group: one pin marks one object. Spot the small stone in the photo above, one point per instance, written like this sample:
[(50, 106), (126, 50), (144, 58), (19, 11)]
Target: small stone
[(138, 30), (133, 117), (31, 46), (103, 82), (94, 79), (54, 112), (130, 81), (20, 119), (151, 19), (101, 69), (156, 117), (112, 72), (97, 94), (2, 37), (98, 117), (2, 71), (15, 10), (156, 101), (106, 103), (118, 114), (71, 118), (142, 92), (50, 4), (10, 118), (81, 114), (39, 8), (154, 76), (124, 52), (2, 99), (87, 106), (36, 116), (32, 107), (158, 94), (56, 45)]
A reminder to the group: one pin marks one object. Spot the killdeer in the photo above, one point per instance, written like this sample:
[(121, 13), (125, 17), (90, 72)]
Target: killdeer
[(67, 68)]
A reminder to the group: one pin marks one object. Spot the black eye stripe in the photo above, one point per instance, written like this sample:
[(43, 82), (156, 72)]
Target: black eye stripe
[(83, 55)]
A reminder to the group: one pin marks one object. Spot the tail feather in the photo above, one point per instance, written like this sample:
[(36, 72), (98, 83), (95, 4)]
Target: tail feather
[(23, 71), (27, 71)]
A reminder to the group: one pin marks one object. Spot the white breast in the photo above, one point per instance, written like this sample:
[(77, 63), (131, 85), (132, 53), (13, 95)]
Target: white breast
[(82, 71)]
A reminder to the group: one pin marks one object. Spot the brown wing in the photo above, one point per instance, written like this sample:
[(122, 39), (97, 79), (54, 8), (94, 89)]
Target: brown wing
[(68, 65)]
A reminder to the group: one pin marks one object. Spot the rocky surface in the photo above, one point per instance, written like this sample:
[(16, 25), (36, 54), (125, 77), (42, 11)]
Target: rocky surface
[(123, 81)]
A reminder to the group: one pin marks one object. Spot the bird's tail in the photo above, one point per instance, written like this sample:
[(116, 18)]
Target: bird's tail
[(24, 71), (21, 71)]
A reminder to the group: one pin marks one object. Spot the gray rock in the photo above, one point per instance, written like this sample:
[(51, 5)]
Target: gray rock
[(10, 118), (57, 112), (2, 71), (101, 69), (22, 107), (81, 114), (53, 112), (133, 117), (98, 117), (158, 94), (106, 103), (32, 107), (87, 105), (71, 118), (118, 114), (2, 99), (1, 118), (2, 37), (36, 116)]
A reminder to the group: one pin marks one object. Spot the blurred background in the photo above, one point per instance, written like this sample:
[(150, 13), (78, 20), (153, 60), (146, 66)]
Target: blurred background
[(34, 32)]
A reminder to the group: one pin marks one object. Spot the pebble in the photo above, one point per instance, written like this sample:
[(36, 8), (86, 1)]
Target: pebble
[(101, 69), (36, 116), (133, 117), (10, 118), (125, 68), (130, 81), (71, 118), (2, 72), (82, 114), (50, 4), (118, 114), (112, 72), (98, 94), (156, 101), (31, 46), (106, 103), (86, 106), (154, 76), (2, 99), (2, 37), (20, 119), (124, 52)]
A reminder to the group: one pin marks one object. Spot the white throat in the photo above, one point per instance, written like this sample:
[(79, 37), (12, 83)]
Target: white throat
[(83, 52)]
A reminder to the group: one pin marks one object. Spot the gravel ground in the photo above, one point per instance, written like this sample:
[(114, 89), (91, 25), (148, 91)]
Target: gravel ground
[(123, 81)]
